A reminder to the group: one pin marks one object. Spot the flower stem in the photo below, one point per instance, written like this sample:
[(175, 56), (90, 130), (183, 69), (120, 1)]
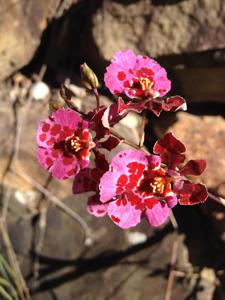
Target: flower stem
[(125, 141), (142, 130), (95, 91)]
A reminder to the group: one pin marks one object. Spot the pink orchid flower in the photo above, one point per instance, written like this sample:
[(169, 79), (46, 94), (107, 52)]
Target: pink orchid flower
[(142, 80), (64, 143), (139, 186)]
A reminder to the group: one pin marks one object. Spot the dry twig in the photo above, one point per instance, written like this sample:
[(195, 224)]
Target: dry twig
[(59, 204)]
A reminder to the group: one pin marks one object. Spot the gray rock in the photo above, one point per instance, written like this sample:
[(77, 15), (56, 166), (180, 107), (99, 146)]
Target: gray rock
[(155, 29)]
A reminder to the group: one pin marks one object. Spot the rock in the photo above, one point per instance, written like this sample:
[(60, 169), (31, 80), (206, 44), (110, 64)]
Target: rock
[(204, 139), (21, 26), (6, 136), (157, 28), (210, 83)]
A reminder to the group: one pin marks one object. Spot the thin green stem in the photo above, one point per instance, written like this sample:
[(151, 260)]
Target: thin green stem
[(5, 294)]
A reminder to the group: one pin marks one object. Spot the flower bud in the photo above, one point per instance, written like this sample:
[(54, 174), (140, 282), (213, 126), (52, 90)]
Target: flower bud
[(88, 77)]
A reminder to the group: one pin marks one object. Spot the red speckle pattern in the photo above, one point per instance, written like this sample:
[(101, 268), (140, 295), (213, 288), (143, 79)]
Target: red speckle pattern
[(121, 75), (116, 92), (43, 137), (141, 185), (127, 71), (56, 128), (115, 219), (45, 127), (49, 161), (121, 184), (51, 142), (67, 160), (56, 153)]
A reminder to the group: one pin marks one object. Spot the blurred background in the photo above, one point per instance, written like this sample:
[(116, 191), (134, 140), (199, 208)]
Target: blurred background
[(50, 247)]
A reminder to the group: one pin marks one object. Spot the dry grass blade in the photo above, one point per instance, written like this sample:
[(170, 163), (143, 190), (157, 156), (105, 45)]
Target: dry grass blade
[(17, 275), (5, 294), (7, 286)]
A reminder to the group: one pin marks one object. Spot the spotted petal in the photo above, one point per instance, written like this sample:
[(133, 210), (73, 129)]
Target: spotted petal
[(124, 215), (192, 193), (171, 150), (95, 207), (84, 182), (58, 126), (124, 171), (157, 214), (193, 167)]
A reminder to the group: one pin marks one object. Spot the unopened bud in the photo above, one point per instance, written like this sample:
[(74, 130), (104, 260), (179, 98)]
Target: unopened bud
[(88, 77)]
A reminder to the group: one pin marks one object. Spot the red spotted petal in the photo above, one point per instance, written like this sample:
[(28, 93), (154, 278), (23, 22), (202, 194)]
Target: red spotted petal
[(100, 161), (174, 103), (170, 150), (84, 182), (155, 106), (157, 214), (124, 172), (192, 193), (193, 167), (123, 214), (95, 207), (169, 143), (110, 143), (96, 123)]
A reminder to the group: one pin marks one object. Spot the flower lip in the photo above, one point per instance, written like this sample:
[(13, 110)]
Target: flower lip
[(141, 88), (154, 183), (77, 142)]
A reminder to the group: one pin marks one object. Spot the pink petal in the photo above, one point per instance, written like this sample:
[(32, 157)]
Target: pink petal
[(59, 166), (58, 127), (84, 163), (46, 158), (44, 136), (154, 161), (171, 200), (126, 65), (161, 83), (121, 63), (157, 215), (69, 118), (64, 168), (193, 167), (192, 193), (119, 168), (95, 207), (124, 215)]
